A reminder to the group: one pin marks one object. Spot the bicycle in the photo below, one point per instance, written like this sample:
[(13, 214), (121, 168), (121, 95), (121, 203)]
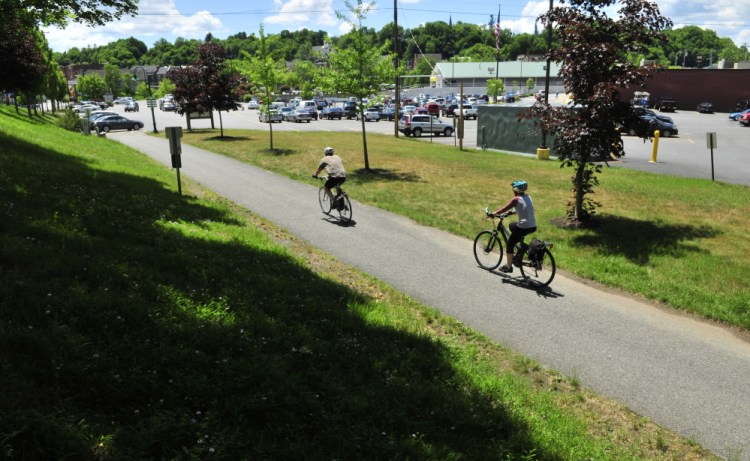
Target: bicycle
[(535, 261), (341, 202)]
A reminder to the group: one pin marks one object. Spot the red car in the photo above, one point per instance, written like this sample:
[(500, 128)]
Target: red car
[(433, 108), (744, 119)]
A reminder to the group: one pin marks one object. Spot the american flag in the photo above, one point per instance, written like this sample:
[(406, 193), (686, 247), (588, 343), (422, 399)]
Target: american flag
[(497, 30)]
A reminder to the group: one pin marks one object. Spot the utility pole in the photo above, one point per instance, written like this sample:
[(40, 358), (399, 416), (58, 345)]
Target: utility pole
[(395, 64)]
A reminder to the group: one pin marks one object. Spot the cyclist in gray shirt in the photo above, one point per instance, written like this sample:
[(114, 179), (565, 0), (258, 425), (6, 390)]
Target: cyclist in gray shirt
[(526, 220), (333, 164)]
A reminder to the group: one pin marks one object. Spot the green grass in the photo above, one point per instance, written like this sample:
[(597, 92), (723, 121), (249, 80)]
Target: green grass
[(139, 324), (678, 241)]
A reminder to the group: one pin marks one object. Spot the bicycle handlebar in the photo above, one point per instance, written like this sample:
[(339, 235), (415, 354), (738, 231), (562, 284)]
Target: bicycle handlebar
[(501, 216)]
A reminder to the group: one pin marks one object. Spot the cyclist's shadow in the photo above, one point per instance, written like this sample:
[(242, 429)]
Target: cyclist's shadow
[(340, 222), (516, 279)]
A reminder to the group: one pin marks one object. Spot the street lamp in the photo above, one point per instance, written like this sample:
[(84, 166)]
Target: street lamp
[(546, 75), (149, 101)]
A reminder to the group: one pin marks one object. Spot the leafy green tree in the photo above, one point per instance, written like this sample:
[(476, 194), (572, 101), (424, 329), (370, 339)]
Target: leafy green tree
[(142, 91), (495, 87), (92, 86), (361, 68), (266, 72), (591, 130), (529, 85), (166, 86), (113, 78), (479, 52)]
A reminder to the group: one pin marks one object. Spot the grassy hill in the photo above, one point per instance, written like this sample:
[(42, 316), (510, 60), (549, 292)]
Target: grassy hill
[(139, 324)]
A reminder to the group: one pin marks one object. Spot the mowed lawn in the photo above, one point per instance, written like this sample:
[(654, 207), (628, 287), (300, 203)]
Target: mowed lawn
[(678, 241), (139, 324)]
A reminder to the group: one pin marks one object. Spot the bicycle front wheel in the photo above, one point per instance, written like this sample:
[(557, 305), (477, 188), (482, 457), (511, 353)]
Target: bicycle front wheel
[(325, 202), (488, 250), (345, 209), (539, 272)]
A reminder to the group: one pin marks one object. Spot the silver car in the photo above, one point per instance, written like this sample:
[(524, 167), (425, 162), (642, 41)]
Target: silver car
[(416, 124)]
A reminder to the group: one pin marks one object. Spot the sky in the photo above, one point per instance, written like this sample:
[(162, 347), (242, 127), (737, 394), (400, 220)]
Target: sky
[(170, 19)]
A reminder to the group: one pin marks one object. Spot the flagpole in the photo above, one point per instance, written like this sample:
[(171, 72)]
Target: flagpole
[(497, 44)]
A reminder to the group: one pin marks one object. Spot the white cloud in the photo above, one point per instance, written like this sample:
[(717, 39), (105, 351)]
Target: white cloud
[(157, 19), (311, 14)]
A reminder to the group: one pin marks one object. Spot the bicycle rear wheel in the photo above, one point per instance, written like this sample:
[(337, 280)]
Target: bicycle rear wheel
[(345, 209), (325, 202), (540, 272), (488, 250)]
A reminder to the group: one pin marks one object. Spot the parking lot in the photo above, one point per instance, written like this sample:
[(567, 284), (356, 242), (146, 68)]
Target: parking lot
[(684, 155)]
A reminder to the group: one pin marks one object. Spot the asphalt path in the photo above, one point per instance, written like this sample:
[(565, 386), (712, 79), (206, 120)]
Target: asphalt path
[(685, 374), (684, 155)]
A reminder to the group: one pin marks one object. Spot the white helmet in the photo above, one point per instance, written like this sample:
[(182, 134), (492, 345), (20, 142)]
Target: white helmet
[(329, 151)]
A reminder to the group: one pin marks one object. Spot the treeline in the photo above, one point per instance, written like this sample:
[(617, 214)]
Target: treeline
[(688, 46)]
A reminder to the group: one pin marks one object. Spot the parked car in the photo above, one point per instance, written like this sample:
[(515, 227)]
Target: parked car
[(665, 125), (742, 105), (82, 108), (705, 108), (745, 119), (736, 115), (409, 109), (100, 113), (252, 104), (372, 114), (350, 110), (313, 111), (286, 112), (416, 124), (132, 106), (299, 116), (331, 113), (122, 100), (433, 108), (390, 113), (469, 111), (168, 106), (115, 122), (449, 110), (270, 116), (665, 104)]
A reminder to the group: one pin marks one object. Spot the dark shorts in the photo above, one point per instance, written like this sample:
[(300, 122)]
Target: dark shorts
[(333, 182), (517, 234)]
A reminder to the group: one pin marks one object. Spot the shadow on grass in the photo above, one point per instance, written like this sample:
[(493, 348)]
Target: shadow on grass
[(230, 138), (638, 240), (279, 152), (378, 174), (132, 331)]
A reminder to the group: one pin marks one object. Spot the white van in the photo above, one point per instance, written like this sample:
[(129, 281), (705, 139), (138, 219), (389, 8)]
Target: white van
[(306, 104)]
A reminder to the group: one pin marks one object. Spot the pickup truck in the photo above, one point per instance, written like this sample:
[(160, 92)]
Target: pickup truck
[(666, 104), (469, 111)]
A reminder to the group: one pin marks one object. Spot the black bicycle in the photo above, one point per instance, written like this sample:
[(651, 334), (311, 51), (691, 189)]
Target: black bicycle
[(535, 261), (341, 203)]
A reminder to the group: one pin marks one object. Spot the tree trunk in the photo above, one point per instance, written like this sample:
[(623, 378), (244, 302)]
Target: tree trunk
[(270, 127), (578, 188), (221, 125), (364, 142)]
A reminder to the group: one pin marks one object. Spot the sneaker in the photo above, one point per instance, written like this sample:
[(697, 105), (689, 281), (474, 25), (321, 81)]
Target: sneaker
[(506, 269)]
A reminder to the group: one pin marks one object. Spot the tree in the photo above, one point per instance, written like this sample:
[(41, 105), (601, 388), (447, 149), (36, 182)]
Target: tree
[(166, 86), (22, 62), (495, 87), (92, 86), (113, 78), (593, 55), (360, 68), (60, 12), (219, 82), (189, 94), (266, 72)]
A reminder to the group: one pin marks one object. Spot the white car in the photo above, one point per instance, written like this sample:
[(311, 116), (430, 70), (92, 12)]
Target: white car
[(371, 115), (270, 116), (252, 105)]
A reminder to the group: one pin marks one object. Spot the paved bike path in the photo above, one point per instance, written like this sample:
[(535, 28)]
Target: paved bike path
[(684, 374)]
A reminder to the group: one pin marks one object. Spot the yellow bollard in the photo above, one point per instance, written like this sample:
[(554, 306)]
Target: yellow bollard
[(542, 153), (655, 149)]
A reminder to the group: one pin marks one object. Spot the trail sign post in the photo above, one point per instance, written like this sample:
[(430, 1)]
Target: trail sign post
[(174, 133), (712, 143)]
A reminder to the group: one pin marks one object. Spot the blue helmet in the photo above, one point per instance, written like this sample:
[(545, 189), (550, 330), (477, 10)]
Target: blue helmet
[(520, 185)]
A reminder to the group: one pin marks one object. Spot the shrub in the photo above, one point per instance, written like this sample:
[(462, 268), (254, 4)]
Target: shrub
[(69, 120)]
